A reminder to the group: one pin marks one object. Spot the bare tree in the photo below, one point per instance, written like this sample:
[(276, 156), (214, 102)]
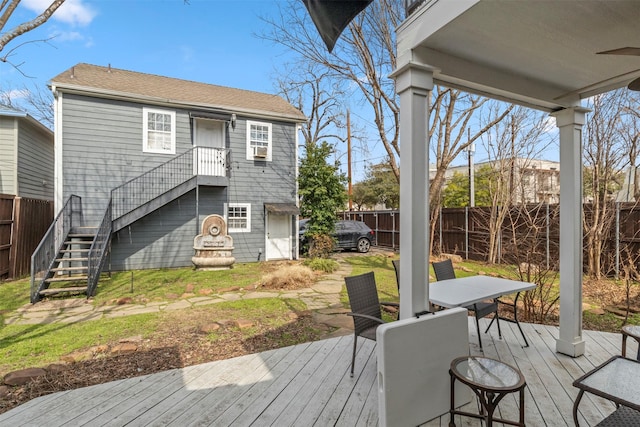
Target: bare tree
[(512, 145), (631, 138), (35, 101), (7, 9), (452, 113), (605, 156), (526, 251), (310, 89), (363, 58)]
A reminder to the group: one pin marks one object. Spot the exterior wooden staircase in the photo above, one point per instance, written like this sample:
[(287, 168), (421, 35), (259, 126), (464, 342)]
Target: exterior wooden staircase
[(70, 271), (70, 257)]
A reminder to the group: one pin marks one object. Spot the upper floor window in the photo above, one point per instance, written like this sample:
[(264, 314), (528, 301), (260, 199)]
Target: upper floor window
[(238, 216), (159, 131), (258, 141)]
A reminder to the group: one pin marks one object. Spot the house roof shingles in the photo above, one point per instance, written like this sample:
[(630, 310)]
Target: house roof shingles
[(108, 81)]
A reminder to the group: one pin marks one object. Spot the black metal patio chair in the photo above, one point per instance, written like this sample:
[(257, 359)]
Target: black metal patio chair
[(365, 308)]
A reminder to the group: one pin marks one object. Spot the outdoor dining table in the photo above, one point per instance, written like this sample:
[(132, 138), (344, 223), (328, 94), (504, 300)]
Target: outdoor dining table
[(464, 291)]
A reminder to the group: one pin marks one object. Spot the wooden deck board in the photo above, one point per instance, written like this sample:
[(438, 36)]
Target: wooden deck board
[(309, 384), (259, 396)]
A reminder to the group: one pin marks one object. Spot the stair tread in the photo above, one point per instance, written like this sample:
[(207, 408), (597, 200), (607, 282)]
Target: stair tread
[(52, 291), (66, 279), (69, 268), (72, 259), (65, 251)]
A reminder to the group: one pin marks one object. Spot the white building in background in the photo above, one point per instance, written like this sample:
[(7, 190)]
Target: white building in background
[(534, 180), (626, 193)]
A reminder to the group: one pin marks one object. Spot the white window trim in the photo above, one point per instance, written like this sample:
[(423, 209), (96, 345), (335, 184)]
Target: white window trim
[(250, 155), (226, 217), (145, 131)]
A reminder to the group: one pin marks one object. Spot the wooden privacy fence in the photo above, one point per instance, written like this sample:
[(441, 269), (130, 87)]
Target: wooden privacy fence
[(23, 222), (530, 228)]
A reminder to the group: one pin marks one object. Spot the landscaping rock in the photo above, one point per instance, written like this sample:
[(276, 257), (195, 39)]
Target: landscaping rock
[(243, 323), (124, 348), (23, 376), (208, 328), (77, 357), (4, 391), (99, 349)]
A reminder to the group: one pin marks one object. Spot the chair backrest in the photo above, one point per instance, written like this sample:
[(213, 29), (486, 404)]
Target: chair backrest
[(363, 298), (396, 267), (444, 270)]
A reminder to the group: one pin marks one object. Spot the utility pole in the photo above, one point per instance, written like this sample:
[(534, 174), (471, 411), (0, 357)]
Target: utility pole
[(349, 160), (472, 191)]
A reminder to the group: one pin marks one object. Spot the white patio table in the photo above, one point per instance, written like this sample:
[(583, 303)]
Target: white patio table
[(465, 291)]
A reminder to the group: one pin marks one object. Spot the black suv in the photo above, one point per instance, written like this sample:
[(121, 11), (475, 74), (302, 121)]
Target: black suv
[(348, 234)]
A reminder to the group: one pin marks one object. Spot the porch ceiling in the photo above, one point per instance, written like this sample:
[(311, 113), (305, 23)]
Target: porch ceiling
[(538, 53)]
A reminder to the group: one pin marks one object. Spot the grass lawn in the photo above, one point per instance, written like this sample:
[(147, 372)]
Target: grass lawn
[(274, 320)]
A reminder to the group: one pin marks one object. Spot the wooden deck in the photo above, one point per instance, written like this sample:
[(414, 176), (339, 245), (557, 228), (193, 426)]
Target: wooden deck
[(309, 384)]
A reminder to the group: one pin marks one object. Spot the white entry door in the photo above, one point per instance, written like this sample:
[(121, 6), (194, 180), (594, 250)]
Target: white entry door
[(210, 134), (278, 236)]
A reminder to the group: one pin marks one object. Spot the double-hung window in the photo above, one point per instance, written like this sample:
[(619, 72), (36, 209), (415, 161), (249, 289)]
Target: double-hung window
[(238, 216), (158, 131), (258, 141)]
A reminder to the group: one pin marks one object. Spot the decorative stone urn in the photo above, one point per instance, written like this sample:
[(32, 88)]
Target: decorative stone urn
[(213, 246)]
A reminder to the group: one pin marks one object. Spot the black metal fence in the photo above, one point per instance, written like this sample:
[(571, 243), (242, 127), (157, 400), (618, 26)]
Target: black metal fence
[(465, 231)]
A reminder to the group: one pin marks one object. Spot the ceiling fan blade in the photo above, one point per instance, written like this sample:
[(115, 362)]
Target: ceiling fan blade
[(632, 51), (635, 84)]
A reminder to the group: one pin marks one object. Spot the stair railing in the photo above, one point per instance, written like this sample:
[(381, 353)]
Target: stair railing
[(163, 178), (43, 258), (98, 251)]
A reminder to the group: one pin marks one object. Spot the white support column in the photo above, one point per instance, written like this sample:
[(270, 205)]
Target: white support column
[(414, 83), (570, 122)]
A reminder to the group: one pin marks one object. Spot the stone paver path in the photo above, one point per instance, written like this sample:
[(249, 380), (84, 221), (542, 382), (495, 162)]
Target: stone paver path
[(322, 298)]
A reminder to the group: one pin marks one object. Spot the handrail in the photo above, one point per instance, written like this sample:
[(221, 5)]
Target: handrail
[(97, 252), (44, 256), (161, 179)]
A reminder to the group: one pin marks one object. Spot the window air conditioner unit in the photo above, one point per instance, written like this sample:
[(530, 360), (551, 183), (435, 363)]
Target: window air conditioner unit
[(260, 152)]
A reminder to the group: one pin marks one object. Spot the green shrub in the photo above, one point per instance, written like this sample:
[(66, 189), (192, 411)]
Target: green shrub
[(322, 264)]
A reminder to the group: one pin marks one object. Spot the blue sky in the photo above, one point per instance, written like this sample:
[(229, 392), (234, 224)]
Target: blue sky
[(210, 41)]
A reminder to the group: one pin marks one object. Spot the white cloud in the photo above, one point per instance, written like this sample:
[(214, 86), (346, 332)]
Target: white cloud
[(74, 12), (186, 53), (66, 36), (17, 94)]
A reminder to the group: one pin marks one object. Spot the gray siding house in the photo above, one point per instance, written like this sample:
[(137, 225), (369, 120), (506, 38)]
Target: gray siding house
[(159, 154), (26, 156)]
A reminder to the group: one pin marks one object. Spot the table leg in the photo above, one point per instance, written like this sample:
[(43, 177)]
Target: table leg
[(624, 344), (522, 406), (453, 405), (575, 408)]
